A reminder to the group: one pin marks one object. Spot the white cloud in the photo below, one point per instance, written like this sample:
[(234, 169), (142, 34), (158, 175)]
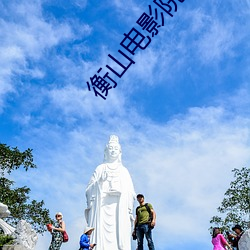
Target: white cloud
[(80, 102), (24, 40), (183, 167), (32, 33), (198, 19), (215, 36), (145, 69), (217, 42), (130, 11), (81, 3)]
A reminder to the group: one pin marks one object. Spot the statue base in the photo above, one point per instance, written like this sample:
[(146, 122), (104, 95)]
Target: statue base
[(12, 247)]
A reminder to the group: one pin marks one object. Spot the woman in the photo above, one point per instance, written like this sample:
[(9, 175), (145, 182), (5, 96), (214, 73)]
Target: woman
[(84, 240), (56, 231), (218, 240)]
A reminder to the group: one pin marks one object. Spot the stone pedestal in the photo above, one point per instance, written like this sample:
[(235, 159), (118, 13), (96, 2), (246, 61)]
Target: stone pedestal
[(13, 247)]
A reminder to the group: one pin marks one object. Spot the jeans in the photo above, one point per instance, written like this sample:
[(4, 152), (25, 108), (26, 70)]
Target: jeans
[(142, 230)]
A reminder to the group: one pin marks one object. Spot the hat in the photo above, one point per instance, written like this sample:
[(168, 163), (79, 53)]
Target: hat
[(140, 195), (59, 213), (237, 227), (87, 229)]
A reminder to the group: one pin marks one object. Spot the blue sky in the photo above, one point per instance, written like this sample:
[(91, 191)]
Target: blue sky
[(181, 111)]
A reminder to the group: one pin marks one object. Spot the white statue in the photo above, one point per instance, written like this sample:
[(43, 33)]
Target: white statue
[(4, 212), (244, 242), (110, 197), (25, 235)]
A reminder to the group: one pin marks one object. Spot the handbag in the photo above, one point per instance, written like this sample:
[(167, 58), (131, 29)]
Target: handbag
[(65, 236), (49, 227)]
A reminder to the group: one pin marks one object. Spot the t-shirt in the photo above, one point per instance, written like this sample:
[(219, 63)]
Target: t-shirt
[(142, 214)]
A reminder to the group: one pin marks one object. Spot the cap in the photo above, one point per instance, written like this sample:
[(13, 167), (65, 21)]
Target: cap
[(140, 195), (237, 227)]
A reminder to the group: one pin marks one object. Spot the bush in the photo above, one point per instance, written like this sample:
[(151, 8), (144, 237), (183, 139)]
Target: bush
[(6, 240)]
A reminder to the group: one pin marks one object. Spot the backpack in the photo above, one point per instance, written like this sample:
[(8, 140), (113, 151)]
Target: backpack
[(149, 212)]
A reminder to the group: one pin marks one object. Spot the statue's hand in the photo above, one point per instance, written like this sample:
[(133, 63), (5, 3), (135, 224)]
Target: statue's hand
[(104, 176), (132, 217), (90, 201), (90, 204)]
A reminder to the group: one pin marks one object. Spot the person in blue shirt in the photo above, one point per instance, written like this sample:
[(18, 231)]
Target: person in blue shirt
[(84, 240)]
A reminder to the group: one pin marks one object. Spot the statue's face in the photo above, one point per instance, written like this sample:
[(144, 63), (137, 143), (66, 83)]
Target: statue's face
[(114, 150)]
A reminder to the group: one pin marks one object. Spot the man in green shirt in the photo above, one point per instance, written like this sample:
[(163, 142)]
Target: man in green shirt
[(144, 223)]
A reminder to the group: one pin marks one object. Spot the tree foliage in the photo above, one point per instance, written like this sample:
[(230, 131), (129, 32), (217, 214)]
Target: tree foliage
[(6, 239), (12, 159), (235, 206), (17, 199)]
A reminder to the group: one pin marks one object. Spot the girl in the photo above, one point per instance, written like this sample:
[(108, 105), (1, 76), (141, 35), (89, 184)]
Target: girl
[(218, 240)]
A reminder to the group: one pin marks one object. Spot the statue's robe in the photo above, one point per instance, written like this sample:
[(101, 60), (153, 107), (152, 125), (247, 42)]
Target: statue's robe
[(110, 197), (244, 242)]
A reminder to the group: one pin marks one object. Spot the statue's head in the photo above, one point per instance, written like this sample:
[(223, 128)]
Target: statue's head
[(113, 150), (4, 211)]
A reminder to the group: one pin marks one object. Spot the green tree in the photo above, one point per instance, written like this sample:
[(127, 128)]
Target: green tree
[(235, 207), (17, 199)]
